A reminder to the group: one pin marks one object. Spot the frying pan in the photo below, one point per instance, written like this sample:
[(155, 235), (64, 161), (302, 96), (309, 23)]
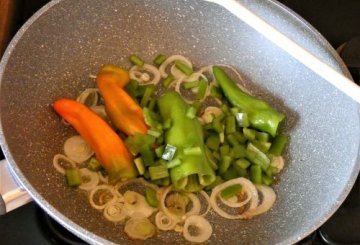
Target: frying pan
[(56, 50)]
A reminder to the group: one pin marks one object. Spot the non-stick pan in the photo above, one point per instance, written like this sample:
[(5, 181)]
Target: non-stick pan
[(56, 50)]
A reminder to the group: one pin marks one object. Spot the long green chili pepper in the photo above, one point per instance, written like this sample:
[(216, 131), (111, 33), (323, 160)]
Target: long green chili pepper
[(195, 171), (261, 115)]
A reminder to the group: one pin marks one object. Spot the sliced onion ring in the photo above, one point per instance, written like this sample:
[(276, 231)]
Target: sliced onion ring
[(175, 71), (114, 211), (93, 179), (268, 200), (204, 229), (102, 188), (133, 231), (137, 73), (82, 98), (164, 222), (77, 149), (253, 202), (207, 198), (56, 162)]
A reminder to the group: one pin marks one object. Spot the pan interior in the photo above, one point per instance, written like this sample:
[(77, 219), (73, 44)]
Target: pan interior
[(70, 40)]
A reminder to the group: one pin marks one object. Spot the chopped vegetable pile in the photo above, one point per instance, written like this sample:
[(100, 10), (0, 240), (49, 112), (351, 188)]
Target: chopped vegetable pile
[(178, 132)]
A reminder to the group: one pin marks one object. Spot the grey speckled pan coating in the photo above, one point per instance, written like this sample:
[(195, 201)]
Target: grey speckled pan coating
[(54, 53)]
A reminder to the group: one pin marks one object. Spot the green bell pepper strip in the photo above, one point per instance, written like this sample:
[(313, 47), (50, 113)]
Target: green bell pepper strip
[(184, 133), (260, 114)]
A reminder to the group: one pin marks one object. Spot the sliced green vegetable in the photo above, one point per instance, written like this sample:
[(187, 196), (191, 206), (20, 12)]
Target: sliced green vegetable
[(168, 80), (173, 163), (213, 142), (215, 92), (230, 126), (212, 160), (266, 180), (136, 141), (224, 150), (139, 165), (230, 173), (240, 137), (131, 88), (154, 132), (232, 140), (256, 174), (224, 164), (159, 151), (261, 136), (239, 151), (242, 119), (94, 165), (158, 172), (249, 133), (278, 145), (217, 124), (150, 89), (190, 85), (231, 191), (151, 197), (242, 163), (159, 59), (256, 156), (184, 68), (136, 60), (73, 177), (201, 89), (147, 155)]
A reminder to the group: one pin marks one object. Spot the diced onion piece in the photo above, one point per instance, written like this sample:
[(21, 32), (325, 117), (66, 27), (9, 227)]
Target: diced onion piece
[(246, 184), (203, 229), (141, 74), (164, 222), (139, 228), (77, 149), (174, 71), (268, 200), (136, 203), (105, 198), (277, 162), (89, 178), (58, 158), (210, 112), (83, 98), (114, 211)]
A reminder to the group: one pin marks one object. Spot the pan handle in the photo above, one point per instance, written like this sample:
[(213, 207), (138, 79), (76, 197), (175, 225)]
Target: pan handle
[(12, 194)]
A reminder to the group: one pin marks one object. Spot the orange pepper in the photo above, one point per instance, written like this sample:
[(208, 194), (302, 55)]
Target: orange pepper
[(110, 150), (123, 111)]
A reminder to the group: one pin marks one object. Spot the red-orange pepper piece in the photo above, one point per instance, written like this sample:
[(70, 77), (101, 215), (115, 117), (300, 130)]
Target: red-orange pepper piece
[(110, 150), (123, 111)]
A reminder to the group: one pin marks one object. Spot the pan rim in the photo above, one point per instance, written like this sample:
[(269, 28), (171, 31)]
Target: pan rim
[(95, 239)]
